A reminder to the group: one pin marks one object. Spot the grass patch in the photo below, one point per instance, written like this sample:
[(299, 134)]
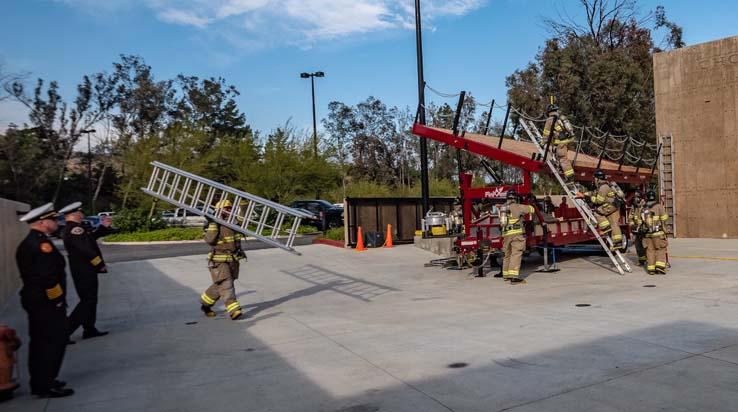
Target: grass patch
[(172, 233), (333, 234)]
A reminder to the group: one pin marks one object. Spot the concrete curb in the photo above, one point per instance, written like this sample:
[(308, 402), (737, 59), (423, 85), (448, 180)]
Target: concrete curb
[(329, 242)]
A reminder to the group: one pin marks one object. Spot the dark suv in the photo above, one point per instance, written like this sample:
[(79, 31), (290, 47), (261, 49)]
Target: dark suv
[(329, 215)]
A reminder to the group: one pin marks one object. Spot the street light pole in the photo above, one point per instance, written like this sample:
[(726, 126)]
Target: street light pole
[(312, 77), (421, 111), (89, 169)]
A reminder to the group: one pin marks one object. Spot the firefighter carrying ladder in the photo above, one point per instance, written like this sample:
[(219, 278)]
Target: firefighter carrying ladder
[(251, 215), (617, 259)]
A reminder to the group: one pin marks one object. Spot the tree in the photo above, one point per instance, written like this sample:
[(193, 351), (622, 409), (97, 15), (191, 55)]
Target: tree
[(600, 70), (56, 124)]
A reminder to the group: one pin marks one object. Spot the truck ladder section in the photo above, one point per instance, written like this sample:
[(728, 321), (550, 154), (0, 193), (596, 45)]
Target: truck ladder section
[(666, 182), (617, 259), (250, 215)]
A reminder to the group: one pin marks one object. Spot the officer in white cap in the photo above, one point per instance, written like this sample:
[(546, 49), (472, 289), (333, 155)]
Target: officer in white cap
[(41, 266), (85, 262)]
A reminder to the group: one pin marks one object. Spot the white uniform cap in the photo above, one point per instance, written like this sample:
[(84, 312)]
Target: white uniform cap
[(42, 212), (72, 207)]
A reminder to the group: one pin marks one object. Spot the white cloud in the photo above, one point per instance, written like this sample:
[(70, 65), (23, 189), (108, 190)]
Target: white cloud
[(301, 22)]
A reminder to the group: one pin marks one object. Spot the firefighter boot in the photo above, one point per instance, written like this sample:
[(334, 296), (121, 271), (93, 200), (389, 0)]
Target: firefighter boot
[(236, 314), (660, 270), (517, 281), (207, 310)]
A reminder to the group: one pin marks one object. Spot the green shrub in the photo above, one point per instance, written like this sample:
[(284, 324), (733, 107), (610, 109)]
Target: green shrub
[(334, 234), (137, 220)]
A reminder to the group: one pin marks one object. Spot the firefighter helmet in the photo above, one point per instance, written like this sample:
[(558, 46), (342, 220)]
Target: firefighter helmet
[(223, 204), (599, 174), (512, 195), (551, 108), (650, 196)]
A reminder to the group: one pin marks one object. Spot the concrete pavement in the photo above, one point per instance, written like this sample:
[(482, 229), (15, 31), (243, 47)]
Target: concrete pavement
[(336, 330)]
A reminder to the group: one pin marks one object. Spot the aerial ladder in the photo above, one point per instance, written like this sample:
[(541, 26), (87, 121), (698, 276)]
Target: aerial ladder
[(251, 215), (620, 263)]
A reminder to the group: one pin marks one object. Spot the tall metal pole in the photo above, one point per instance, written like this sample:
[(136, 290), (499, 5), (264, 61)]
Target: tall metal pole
[(421, 107), (89, 174), (315, 127)]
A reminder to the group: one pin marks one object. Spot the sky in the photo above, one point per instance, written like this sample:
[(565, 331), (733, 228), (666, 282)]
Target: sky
[(365, 47)]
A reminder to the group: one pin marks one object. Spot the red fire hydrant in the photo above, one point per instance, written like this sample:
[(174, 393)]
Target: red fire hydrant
[(9, 343)]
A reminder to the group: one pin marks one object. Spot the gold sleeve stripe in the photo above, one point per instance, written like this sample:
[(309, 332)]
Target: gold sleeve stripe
[(54, 292), (96, 260)]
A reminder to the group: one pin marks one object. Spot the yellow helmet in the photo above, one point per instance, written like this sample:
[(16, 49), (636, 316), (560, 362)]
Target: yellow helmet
[(223, 203)]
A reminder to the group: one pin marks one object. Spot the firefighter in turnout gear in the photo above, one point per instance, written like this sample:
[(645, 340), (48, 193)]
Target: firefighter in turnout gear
[(513, 236), (85, 262), (223, 262), (457, 217), (43, 297), (606, 204), (562, 134), (637, 227), (654, 218)]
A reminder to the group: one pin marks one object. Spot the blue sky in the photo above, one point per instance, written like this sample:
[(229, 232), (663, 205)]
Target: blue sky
[(365, 47)]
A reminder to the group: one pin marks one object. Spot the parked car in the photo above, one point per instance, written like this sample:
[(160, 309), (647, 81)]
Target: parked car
[(329, 215), (181, 217), (90, 223), (313, 220)]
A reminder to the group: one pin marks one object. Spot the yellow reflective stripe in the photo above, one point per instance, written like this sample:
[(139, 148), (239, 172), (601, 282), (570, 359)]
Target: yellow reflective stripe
[(212, 227), (513, 221), (531, 209), (546, 132), (660, 264), (96, 261), (651, 267), (569, 172), (220, 257), (233, 306), (207, 299), (54, 292), (604, 223), (659, 233), (505, 272), (557, 128), (513, 232), (664, 217), (617, 237), (564, 141), (512, 272)]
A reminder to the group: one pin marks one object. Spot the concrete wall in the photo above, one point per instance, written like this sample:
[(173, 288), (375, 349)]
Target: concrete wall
[(11, 235), (697, 102)]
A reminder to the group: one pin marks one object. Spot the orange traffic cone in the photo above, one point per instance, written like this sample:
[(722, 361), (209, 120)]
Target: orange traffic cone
[(360, 242), (388, 241)]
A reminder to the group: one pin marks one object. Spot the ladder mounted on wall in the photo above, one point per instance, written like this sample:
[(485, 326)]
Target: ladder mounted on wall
[(250, 214), (666, 181), (616, 257)]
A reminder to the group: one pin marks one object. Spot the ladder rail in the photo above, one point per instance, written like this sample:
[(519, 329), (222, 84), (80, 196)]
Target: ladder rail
[(175, 187), (620, 264)]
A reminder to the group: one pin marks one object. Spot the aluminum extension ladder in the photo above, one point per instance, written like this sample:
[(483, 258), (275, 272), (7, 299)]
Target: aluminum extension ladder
[(621, 264), (250, 214)]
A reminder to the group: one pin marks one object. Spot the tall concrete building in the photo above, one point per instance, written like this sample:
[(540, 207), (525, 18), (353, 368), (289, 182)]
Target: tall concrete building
[(696, 91)]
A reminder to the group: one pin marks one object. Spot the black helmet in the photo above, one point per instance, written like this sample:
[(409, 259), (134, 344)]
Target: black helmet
[(650, 196), (457, 202), (512, 195), (600, 174), (552, 108)]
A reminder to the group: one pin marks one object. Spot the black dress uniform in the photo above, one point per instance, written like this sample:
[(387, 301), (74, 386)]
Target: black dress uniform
[(43, 297), (85, 262)]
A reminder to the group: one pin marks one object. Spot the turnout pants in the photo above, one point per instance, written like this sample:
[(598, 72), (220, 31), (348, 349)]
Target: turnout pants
[(640, 248), (85, 313), (48, 332), (513, 247), (655, 252), (562, 154), (223, 275), (608, 220)]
